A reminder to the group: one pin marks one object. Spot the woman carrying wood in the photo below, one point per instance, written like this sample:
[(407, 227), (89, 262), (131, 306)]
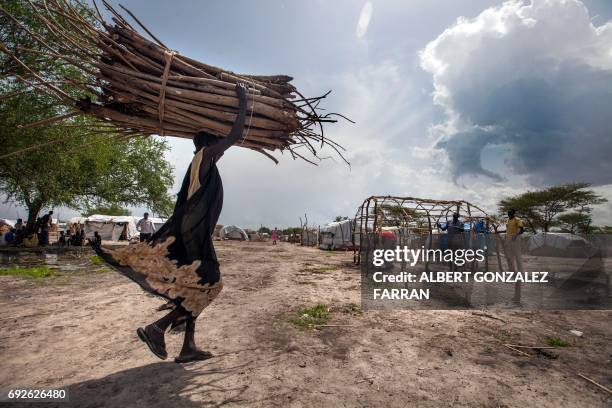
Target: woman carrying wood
[(179, 263)]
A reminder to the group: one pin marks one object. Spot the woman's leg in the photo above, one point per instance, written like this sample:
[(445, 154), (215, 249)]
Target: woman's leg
[(153, 334), (189, 340), (190, 352), (163, 323)]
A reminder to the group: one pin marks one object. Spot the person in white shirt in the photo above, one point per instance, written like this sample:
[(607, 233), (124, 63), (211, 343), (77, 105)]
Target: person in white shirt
[(146, 228)]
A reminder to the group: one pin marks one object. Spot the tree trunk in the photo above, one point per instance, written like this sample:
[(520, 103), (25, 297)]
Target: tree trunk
[(33, 211), (531, 226)]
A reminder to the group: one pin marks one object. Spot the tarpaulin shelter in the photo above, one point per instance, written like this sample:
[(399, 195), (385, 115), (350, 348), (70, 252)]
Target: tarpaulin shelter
[(309, 237), (6, 225), (10, 223), (233, 232), (110, 227), (158, 222), (337, 235), (558, 245)]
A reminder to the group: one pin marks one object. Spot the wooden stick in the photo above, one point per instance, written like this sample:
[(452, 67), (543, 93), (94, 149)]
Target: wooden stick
[(531, 347), (488, 315), (143, 26), (517, 350), (209, 112), (595, 383), (128, 73), (48, 120)]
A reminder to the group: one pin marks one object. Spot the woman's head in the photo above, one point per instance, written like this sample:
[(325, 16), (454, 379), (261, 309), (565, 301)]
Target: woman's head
[(204, 139)]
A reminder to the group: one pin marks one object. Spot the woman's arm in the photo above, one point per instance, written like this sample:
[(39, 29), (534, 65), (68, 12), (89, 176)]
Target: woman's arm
[(238, 128)]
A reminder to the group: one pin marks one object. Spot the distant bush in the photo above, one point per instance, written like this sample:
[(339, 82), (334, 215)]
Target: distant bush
[(264, 230)]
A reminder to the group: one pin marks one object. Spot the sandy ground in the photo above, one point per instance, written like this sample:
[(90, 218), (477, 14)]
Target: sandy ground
[(77, 331)]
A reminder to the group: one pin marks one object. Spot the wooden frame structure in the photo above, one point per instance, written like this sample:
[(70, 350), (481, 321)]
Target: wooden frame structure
[(418, 215)]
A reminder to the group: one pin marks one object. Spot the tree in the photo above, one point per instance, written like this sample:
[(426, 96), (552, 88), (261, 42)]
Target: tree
[(292, 230), (264, 230), (606, 229), (574, 222), (395, 215), (340, 218), (84, 170), (80, 162), (112, 209), (541, 208)]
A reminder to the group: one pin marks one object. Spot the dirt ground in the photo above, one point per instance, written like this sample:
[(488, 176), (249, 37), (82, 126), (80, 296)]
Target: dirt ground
[(77, 331)]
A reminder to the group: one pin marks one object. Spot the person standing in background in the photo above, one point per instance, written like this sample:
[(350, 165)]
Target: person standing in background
[(45, 226), (79, 236), (31, 240), (97, 239), (274, 236), (146, 228), (9, 237), (512, 245), (62, 239), (512, 248), (455, 233)]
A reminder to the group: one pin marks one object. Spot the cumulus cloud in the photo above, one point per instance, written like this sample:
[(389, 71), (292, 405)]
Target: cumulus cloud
[(530, 83), (364, 20)]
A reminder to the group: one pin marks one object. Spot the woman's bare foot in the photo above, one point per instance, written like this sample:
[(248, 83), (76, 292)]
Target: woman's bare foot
[(153, 336), (190, 355)]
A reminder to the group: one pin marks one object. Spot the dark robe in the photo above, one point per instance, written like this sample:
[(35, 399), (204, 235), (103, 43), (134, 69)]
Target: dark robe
[(189, 230), (179, 261), (193, 221)]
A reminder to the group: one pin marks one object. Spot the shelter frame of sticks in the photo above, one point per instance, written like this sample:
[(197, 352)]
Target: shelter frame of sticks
[(419, 215), (310, 235)]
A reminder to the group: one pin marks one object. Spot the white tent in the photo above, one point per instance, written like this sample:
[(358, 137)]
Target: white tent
[(10, 223), (109, 227), (337, 235), (558, 244), (158, 222), (233, 232), (77, 220)]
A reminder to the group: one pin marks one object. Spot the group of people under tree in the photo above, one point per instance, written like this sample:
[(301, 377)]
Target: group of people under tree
[(29, 236), (73, 236)]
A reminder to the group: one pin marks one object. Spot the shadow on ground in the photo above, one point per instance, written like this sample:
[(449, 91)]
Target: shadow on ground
[(165, 384)]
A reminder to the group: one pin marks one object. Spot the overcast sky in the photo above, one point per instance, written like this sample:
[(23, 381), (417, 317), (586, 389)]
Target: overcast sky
[(471, 100)]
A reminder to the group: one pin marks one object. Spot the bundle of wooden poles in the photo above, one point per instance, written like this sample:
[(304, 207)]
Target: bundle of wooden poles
[(141, 87)]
